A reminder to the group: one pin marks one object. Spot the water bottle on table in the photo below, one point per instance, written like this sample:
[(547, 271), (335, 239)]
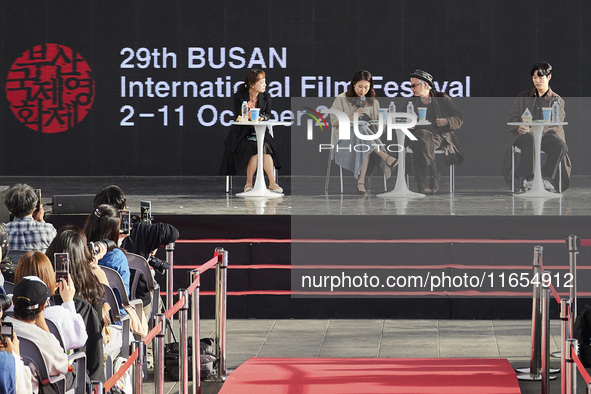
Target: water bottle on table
[(555, 111), (244, 111)]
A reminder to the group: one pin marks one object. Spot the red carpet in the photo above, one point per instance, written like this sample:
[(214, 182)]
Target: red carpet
[(372, 375)]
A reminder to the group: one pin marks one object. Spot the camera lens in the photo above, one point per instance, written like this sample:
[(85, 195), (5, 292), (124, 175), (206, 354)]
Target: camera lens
[(159, 265), (5, 302), (95, 249)]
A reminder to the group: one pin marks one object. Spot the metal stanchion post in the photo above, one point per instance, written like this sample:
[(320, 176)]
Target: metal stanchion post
[(137, 369), (159, 354), (220, 312), (533, 372), (545, 340), (572, 244), (170, 286), (96, 388), (196, 354), (572, 347), (564, 336), (184, 342)]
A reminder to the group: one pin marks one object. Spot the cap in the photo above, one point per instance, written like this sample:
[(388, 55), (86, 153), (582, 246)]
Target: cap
[(423, 75), (30, 292)]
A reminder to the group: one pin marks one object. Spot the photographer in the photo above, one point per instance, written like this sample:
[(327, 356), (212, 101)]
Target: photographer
[(144, 238), (28, 231)]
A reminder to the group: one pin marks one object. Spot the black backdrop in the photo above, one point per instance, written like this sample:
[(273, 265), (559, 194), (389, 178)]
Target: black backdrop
[(491, 43)]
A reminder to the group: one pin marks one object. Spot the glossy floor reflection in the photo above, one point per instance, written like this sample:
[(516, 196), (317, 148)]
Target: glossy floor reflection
[(474, 196)]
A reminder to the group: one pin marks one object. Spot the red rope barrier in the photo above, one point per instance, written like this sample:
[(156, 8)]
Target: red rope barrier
[(175, 308), (586, 242), (581, 368), (555, 294), (372, 241), (121, 371), (152, 334)]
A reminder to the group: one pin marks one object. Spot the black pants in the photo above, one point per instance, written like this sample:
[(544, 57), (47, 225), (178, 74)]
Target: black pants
[(554, 147)]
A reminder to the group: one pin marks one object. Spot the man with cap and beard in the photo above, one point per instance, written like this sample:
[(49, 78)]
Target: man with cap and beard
[(445, 118)]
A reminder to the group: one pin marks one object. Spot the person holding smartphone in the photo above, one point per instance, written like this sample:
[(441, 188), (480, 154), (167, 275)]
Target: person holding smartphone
[(15, 377), (30, 301), (28, 230), (105, 223), (64, 316)]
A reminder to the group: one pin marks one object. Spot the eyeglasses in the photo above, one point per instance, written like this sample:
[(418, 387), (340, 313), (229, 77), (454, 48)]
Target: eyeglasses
[(414, 85)]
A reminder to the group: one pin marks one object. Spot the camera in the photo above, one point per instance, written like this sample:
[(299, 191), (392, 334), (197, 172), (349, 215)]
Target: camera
[(159, 265), (5, 302), (95, 249)]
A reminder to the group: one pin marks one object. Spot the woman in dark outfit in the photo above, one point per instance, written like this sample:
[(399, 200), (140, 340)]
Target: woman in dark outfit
[(241, 144)]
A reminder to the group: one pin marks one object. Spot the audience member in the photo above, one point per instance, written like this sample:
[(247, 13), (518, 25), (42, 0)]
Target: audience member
[(64, 316), (104, 223), (144, 238), (15, 377), (28, 230), (85, 274), (30, 299)]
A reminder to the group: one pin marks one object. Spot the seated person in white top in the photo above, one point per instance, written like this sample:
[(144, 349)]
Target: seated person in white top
[(64, 316), (30, 297), (15, 377)]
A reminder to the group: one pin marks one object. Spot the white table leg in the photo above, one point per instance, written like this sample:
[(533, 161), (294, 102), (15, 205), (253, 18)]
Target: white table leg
[(260, 188), (401, 189), (537, 189)]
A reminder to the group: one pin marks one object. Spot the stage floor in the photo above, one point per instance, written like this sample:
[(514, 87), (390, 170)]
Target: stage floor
[(474, 196)]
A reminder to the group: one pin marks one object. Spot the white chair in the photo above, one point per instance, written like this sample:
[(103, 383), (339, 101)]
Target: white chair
[(514, 150), (452, 171)]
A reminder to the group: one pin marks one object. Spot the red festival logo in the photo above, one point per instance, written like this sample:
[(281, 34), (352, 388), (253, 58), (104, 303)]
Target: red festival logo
[(50, 88)]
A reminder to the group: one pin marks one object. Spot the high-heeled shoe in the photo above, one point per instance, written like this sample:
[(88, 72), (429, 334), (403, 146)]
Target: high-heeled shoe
[(389, 168), (361, 190), (394, 163)]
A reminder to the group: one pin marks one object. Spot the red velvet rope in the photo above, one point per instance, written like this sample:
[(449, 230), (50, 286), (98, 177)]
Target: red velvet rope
[(372, 241), (121, 371), (585, 242), (555, 293), (581, 368)]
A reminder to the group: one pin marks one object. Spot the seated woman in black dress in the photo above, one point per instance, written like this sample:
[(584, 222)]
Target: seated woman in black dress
[(241, 143)]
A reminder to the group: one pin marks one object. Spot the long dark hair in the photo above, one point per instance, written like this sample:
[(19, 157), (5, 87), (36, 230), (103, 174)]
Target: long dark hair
[(362, 75), (103, 223), (70, 239), (252, 76)]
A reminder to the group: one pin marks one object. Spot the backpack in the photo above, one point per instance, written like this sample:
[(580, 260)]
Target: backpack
[(582, 333), (207, 357)]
